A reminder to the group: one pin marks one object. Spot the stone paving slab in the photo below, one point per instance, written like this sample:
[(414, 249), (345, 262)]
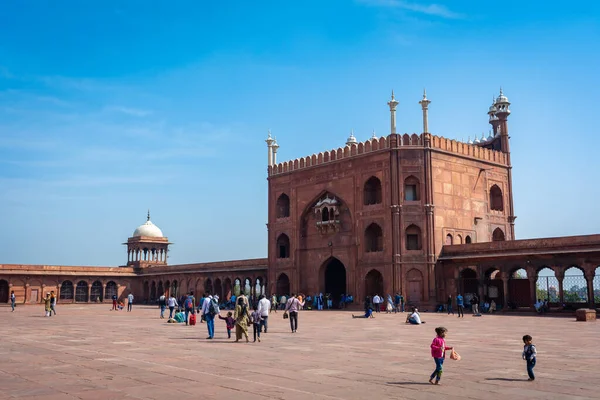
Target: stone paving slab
[(90, 352)]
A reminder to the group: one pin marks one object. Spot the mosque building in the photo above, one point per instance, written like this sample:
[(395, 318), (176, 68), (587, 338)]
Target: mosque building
[(415, 214)]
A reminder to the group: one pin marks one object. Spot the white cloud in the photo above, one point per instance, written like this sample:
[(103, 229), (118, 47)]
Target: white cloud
[(437, 10)]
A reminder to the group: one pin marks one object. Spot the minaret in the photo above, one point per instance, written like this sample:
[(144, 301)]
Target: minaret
[(270, 142), (502, 112), (351, 139), (393, 103), (274, 146), (493, 118), (425, 106)]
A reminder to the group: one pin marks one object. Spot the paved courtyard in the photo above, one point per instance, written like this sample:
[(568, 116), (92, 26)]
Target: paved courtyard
[(89, 352)]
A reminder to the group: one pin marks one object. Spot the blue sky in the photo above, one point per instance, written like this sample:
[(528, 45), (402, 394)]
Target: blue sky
[(110, 108)]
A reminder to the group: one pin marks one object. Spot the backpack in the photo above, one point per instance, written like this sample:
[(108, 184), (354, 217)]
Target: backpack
[(189, 304), (212, 307)]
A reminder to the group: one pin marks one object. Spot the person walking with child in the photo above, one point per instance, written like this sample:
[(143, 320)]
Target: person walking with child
[(230, 323), (438, 352), (241, 319), (529, 355)]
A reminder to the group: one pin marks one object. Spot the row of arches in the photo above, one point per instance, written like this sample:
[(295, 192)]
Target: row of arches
[(222, 287), (372, 194), (373, 240), (333, 280), (518, 289), (458, 239), (81, 292)]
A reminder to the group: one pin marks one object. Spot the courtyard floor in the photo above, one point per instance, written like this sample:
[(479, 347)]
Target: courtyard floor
[(89, 352)]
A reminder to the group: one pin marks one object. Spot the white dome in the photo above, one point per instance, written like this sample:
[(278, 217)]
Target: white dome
[(149, 230)]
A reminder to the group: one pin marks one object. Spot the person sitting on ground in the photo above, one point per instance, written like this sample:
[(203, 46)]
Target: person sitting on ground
[(368, 314), (493, 306), (414, 318), (179, 317)]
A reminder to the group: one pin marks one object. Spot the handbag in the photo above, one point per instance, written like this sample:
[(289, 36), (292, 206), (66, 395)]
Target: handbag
[(455, 356), (285, 315)]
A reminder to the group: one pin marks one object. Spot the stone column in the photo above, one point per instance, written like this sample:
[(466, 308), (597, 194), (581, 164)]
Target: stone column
[(505, 278), (103, 292), (560, 276), (532, 287), (589, 277), (89, 297), (10, 289), (26, 293)]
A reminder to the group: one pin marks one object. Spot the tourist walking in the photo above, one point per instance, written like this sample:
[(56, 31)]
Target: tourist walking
[(292, 306), (210, 309), (114, 300), (389, 307), (189, 305), (13, 300), (377, 303), (529, 355), (256, 319), (475, 304), (52, 303), (172, 303), (449, 305), (162, 303), (241, 317), (129, 302), (320, 301), (229, 323), (460, 306), (47, 302), (263, 308), (282, 301), (397, 303), (273, 303), (438, 352)]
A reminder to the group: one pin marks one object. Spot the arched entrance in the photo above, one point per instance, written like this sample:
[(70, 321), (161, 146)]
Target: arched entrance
[(519, 289), (414, 278), (333, 279), (374, 284), (4, 291), (469, 282), (218, 288), (283, 285)]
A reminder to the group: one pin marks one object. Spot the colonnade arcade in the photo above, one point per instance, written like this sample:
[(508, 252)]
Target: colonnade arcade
[(221, 285), (146, 254), (573, 285), (73, 290)]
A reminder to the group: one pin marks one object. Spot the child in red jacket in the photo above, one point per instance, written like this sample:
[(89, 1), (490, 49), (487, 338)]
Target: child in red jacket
[(438, 352)]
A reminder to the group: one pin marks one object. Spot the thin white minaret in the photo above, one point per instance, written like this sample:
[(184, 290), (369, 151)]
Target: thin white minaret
[(270, 142), (393, 103), (425, 106), (274, 146)]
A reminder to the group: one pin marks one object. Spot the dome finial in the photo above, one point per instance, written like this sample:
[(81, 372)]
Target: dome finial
[(424, 94), (374, 136), (393, 98), (148, 219)]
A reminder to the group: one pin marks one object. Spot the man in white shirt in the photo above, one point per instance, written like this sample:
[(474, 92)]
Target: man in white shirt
[(414, 318), (377, 303), (129, 302), (263, 309)]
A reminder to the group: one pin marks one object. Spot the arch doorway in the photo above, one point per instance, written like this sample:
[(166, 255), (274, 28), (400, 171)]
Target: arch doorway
[(414, 278), (333, 279), (3, 291), (374, 284), (283, 285)]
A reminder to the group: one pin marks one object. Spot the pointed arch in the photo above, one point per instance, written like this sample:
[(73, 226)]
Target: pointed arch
[(496, 199), (412, 188), (283, 246), (283, 206), (373, 238), (413, 237), (372, 193), (283, 285), (498, 235)]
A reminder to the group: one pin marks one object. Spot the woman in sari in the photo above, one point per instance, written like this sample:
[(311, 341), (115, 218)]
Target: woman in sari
[(241, 316), (390, 304)]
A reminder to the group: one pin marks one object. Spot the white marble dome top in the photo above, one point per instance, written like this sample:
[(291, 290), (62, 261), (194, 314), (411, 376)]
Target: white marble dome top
[(148, 229)]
